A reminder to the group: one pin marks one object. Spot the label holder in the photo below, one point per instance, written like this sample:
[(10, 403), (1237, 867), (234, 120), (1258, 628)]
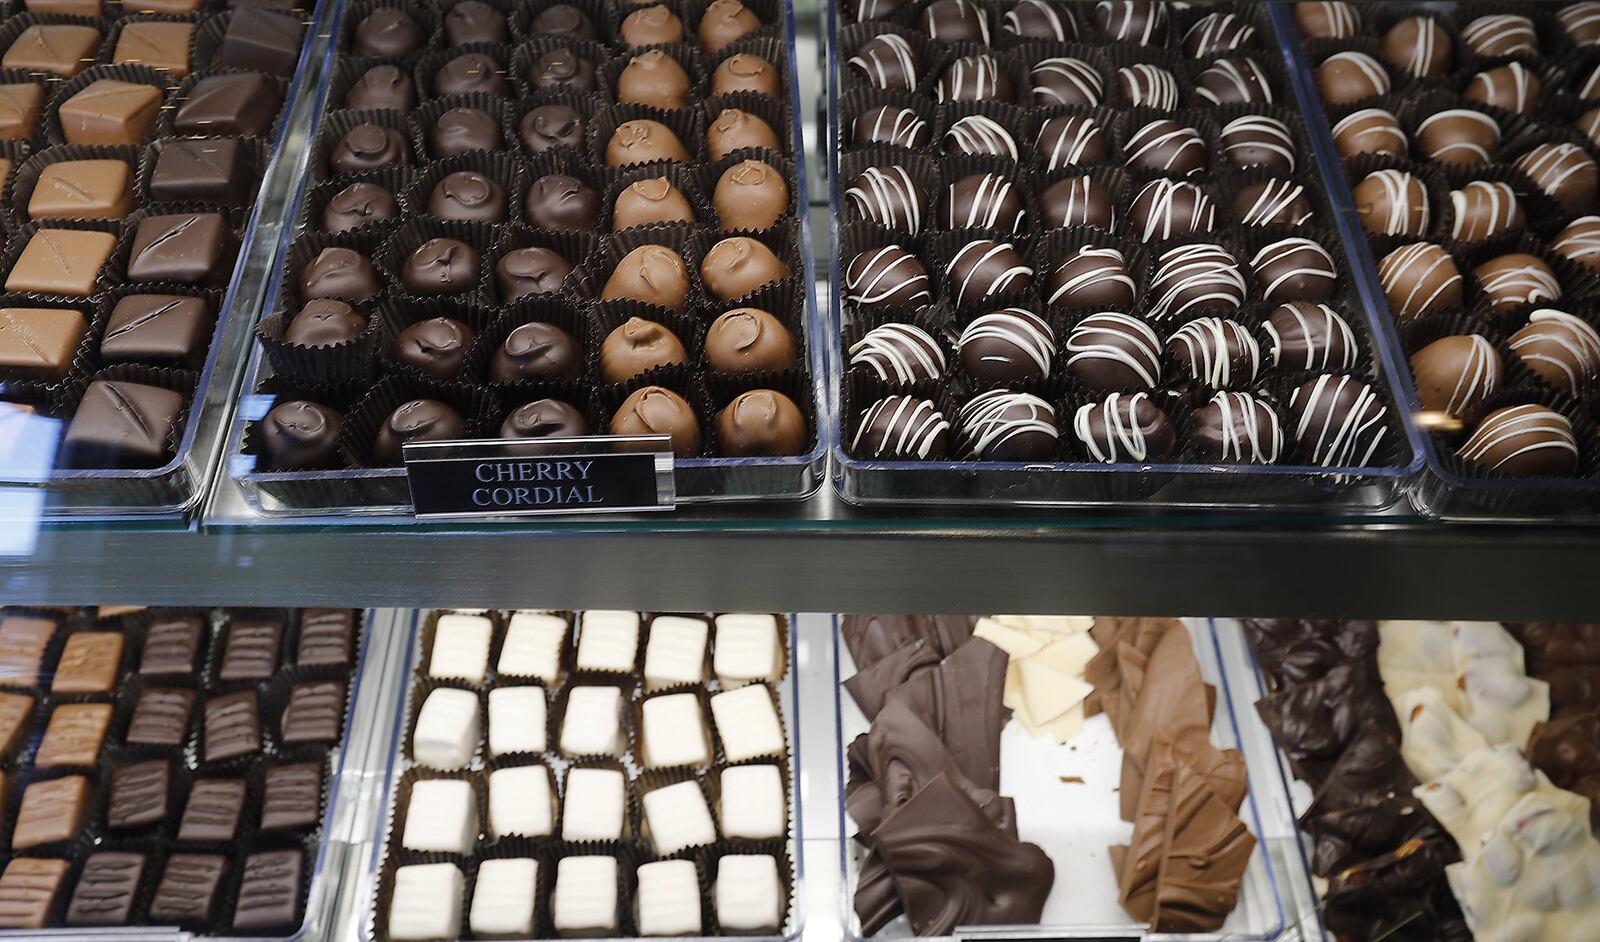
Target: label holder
[(523, 477)]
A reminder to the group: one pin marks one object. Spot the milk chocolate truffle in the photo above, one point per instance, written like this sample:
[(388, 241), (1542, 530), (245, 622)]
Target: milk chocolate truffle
[(1560, 349), (734, 129), (1329, 19), (436, 346), (1348, 77), (1301, 335), (890, 124), (638, 345), (746, 72), (1066, 81), (1339, 421), (750, 195), (654, 274), (888, 61), (1108, 351), (564, 19), (1524, 441), (979, 134), (653, 78), (467, 194), (534, 270), (297, 435), (1258, 141), (1236, 81), (983, 201), (420, 420), (562, 68), (388, 33), (473, 21), (1512, 86), (650, 201), (548, 126), (1589, 124), (1166, 147), (1580, 242), (440, 266), (1195, 279), (1011, 345), (642, 141), (1075, 202), (747, 340), (1294, 269), (324, 322), (472, 73), (536, 350), (1510, 281), (1001, 425), (1420, 46), (369, 147), (739, 265), (1071, 140), (760, 423), (1169, 209), (1581, 23), (887, 279), (1501, 34), (1217, 352), (978, 77), (1564, 172), (1041, 19), (544, 418), (902, 428), (1392, 202), (654, 410), (1420, 278), (1147, 86), (561, 203), (1124, 427), (1454, 375), (1369, 131), (1272, 203), (985, 270), (1216, 34), (724, 22), (382, 86), (1143, 22), (1091, 277), (1459, 136), (954, 21), (1236, 428), (339, 273), (358, 204), (899, 354)]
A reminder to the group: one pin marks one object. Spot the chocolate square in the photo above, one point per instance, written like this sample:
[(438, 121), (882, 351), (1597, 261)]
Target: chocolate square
[(161, 717), (64, 262), (191, 248), (89, 663), (158, 44), (74, 735), (38, 343), (242, 105), (232, 726), (161, 6), (23, 640), (139, 795), (168, 329), (212, 814), (65, 7), (325, 637), (106, 890), (20, 105), (172, 645), (315, 712), (109, 111), (83, 189), (269, 892), (15, 711), (52, 811), (291, 796), (210, 171), (187, 892), (59, 48), (252, 650), (261, 41), (122, 425), (28, 891)]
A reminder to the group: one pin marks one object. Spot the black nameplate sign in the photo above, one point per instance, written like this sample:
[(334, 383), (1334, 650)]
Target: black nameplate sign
[(521, 477)]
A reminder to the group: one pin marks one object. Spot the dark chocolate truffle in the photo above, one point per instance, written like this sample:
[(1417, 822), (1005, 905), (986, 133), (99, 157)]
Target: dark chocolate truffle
[(955, 21), (1512, 86), (748, 340), (1071, 140), (739, 265), (1041, 19), (1191, 280), (297, 435), (978, 77), (750, 195), (467, 194), (436, 346), (654, 410), (1076, 202), (1272, 203), (339, 273), (1306, 336), (544, 418), (1502, 34), (979, 134), (1236, 81), (1122, 428), (654, 274), (1338, 421), (899, 354), (648, 202), (536, 350), (563, 19), (1418, 279), (1326, 19), (983, 201), (1169, 209), (1011, 345), (877, 9), (888, 61), (902, 428), (653, 78), (985, 270), (528, 271), (1216, 34), (463, 130), (388, 33), (473, 21), (1092, 277), (1420, 46), (324, 322), (760, 423), (1237, 428), (471, 73), (1524, 441), (733, 129), (1109, 351), (890, 124), (549, 126), (562, 68), (561, 203), (637, 345), (643, 141), (1001, 425), (1455, 375), (1143, 22), (1258, 141), (1066, 81), (1392, 202), (369, 147), (746, 72), (382, 86), (420, 420), (440, 266), (1147, 86), (1294, 269), (1564, 172), (887, 279), (1166, 147), (1219, 353), (1369, 131), (1348, 77), (1459, 136), (1560, 349), (725, 22), (1580, 242), (889, 197), (358, 204), (1510, 281), (651, 26)]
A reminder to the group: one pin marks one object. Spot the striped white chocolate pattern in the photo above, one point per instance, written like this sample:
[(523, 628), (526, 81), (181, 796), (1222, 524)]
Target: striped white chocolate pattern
[(1212, 348), (1199, 276), (1338, 420), (1064, 140), (1019, 331), (1428, 272), (979, 134), (1250, 431), (1479, 371), (888, 197), (900, 427), (992, 419), (1148, 85), (1275, 204), (1591, 85), (1163, 145), (957, 15), (1370, 131), (1427, 50), (1393, 202), (1216, 33), (1508, 285), (1562, 348), (1062, 28), (1455, 147), (889, 275), (1551, 166), (1117, 18), (1245, 77), (1257, 133), (1582, 23), (1518, 431), (898, 354), (887, 61), (1580, 241), (1338, 18), (1311, 261), (1074, 208), (1482, 209), (1521, 86), (1096, 267), (1124, 438), (1171, 209), (988, 206), (1367, 66), (970, 78), (1501, 34), (972, 281), (1318, 330), (1077, 73), (1121, 339), (875, 9), (887, 125)]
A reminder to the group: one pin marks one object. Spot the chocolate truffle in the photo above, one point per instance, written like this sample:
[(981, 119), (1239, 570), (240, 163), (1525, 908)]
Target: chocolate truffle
[(1168, 209), (1217, 352), (760, 423), (1454, 375), (1294, 269), (1512, 86), (983, 201), (887, 279), (1459, 136), (339, 273), (653, 78), (1143, 22), (464, 130), (388, 33), (954, 21), (725, 22), (1581, 23), (902, 428), (544, 418), (562, 68), (1420, 46), (536, 350), (890, 124), (648, 202), (1236, 81), (733, 130), (369, 147), (747, 340), (1070, 140), (358, 204), (1369, 131), (1420, 278), (654, 274), (1076, 202), (1392, 202), (1236, 428), (984, 270), (638, 345), (981, 135), (1338, 421), (643, 141), (1348, 77), (888, 61), (1589, 88), (750, 195), (1001, 425), (473, 21), (1560, 349), (978, 77), (1501, 35), (1124, 428), (653, 410), (564, 19), (528, 271), (548, 126), (739, 265), (1147, 86), (1272, 203), (561, 203), (324, 322), (298, 435), (436, 346), (1166, 147), (1066, 81), (1580, 242), (1216, 34), (889, 197), (1524, 441), (1091, 277), (877, 9), (1191, 280), (467, 194), (472, 73), (1041, 19), (440, 266), (1306, 336), (1258, 141), (1510, 281), (420, 420), (1328, 19), (899, 354), (1010, 345), (1564, 172), (384, 87), (746, 72), (1589, 124), (1108, 351)]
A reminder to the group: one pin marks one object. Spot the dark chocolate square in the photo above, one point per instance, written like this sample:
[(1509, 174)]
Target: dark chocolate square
[(187, 893), (315, 712), (139, 795), (252, 650), (172, 645), (325, 637), (212, 814), (106, 890), (122, 425), (209, 171), (269, 892), (28, 891), (164, 329), (161, 717), (261, 41), (232, 726), (191, 248), (243, 105), (292, 796)]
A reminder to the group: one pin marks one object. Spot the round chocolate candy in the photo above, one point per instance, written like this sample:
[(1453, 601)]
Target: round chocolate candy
[(1066, 81), (750, 195), (980, 135), (749, 340), (1392, 202), (877, 9), (1166, 147), (1339, 421), (983, 201), (888, 61), (653, 274), (548, 126), (1455, 375), (1142, 22), (1524, 441), (1348, 77), (562, 68), (472, 73), (975, 78), (358, 204), (1236, 428), (1193, 280), (1459, 136), (1091, 277), (1169, 209), (1272, 203), (1041, 19), (1581, 23), (340, 273), (889, 197), (440, 266), (650, 26), (1217, 34), (1147, 86), (1328, 19), (1564, 172), (1589, 88), (388, 33), (1580, 242), (655, 410), (739, 265), (746, 72), (638, 345), (1011, 345), (561, 203), (1109, 351), (463, 130), (1306, 336), (890, 124), (1420, 278), (985, 270), (299, 435), (1589, 124), (760, 423), (902, 428), (1219, 353), (653, 78), (563, 19), (1512, 86), (420, 420), (1369, 131), (1071, 140), (1294, 269), (473, 21), (643, 141), (544, 418), (369, 147), (324, 322), (467, 194), (734, 129), (1124, 427), (1510, 281), (1258, 141), (1001, 425), (1420, 46), (725, 22), (898, 354), (436, 346), (536, 350), (535, 270), (955, 21), (887, 279), (1236, 81), (648, 202), (1076, 202), (1560, 349), (382, 86), (1501, 34)]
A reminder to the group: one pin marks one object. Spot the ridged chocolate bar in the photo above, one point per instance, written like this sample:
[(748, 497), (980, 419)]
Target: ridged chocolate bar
[(292, 796), (188, 889), (172, 645), (212, 814), (105, 892), (315, 712), (325, 635), (269, 894), (232, 726), (252, 651), (139, 794), (161, 717)]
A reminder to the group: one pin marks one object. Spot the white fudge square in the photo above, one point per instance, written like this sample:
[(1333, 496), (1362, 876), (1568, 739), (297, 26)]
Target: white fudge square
[(752, 802), (592, 724), (748, 723), (747, 893), (447, 729), (516, 720), (669, 898), (678, 817), (608, 641), (533, 646), (461, 647), (502, 897), (585, 897), (674, 732), (747, 649), (676, 652), (521, 802), (441, 816), (426, 903), (594, 805)]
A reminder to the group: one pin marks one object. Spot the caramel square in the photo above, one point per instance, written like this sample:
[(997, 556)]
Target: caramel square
[(159, 45), (28, 891), (83, 189), (15, 711), (23, 640), (65, 7), (89, 663), (74, 735), (110, 112), (161, 6), (58, 48), (52, 811), (63, 262), (38, 343), (20, 104)]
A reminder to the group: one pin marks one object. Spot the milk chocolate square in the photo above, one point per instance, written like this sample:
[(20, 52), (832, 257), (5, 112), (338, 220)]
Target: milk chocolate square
[(28, 891), (74, 735), (106, 889), (52, 811), (315, 712), (325, 637), (209, 171), (269, 891), (261, 41), (252, 649), (23, 639), (83, 189), (157, 44), (139, 795), (212, 814), (232, 726), (191, 248), (38, 343), (20, 104), (122, 425), (89, 663), (161, 717), (59, 48), (65, 7), (62, 262), (291, 796), (187, 893), (172, 645), (15, 711), (241, 105), (161, 6), (109, 111), (164, 329)]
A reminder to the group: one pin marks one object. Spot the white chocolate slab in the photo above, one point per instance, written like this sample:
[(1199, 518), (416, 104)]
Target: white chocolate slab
[(533, 646), (585, 897), (426, 902), (751, 797), (592, 725), (461, 647), (442, 816), (608, 641), (668, 898), (676, 652), (447, 731), (747, 723), (674, 732), (502, 897), (678, 818), (748, 649), (517, 720), (748, 895), (1433, 737), (594, 805), (521, 802)]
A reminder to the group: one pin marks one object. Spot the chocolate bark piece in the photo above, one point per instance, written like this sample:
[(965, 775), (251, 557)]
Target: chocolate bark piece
[(122, 425), (1205, 853), (139, 795), (172, 645), (961, 699), (1568, 750), (15, 711), (326, 635), (269, 892), (109, 111), (1370, 764), (291, 796), (89, 663), (28, 891), (1553, 644), (213, 171), (232, 726), (191, 248), (243, 105), (20, 105), (159, 44), (871, 638), (315, 712), (52, 811), (871, 685), (1574, 689), (61, 262), (903, 754), (165, 329), (38, 343), (212, 813), (161, 717), (261, 41), (106, 889), (252, 649), (74, 735), (23, 640), (62, 49), (1314, 722), (83, 189), (188, 891), (1295, 650), (1392, 897), (1374, 827)]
